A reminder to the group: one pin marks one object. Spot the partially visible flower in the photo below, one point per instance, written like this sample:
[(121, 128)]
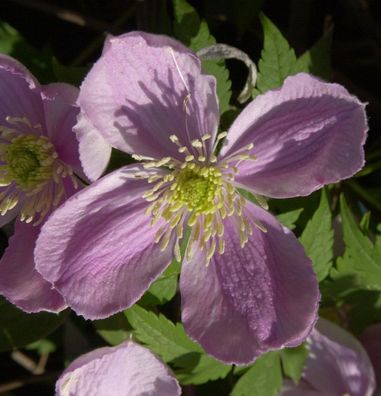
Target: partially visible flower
[(246, 284), (127, 369), (337, 365), (38, 154), (371, 339)]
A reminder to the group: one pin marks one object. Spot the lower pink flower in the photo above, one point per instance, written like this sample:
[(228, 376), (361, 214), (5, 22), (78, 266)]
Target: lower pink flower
[(127, 369)]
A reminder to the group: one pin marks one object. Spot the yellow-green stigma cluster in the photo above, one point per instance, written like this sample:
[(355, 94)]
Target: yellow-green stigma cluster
[(196, 187), (29, 162), (196, 193), (31, 169)]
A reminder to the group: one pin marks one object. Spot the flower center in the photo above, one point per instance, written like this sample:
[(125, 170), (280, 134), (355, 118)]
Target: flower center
[(29, 161), (196, 187), (198, 193), (30, 170)]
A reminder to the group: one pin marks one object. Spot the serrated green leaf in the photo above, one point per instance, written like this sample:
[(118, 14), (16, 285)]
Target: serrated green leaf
[(195, 33), (289, 219), (317, 238), (162, 336), (361, 262), (18, 328), (114, 329), (206, 369), (293, 360), (164, 288), (278, 59), (264, 378), (317, 60)]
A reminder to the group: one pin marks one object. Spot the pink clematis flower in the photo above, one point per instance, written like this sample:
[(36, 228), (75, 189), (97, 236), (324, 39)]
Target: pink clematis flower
[(337, 365), (246, 284), (127, 369), (38, 154)]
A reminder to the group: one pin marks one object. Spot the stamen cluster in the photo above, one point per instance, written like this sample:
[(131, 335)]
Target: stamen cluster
[(31, 169), (197, 193)]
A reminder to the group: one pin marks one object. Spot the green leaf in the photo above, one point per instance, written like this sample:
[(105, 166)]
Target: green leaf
[(164, 288), (317, 60), (195, 33), (114, 329), (289, 219), (18, 328), (187, 22), (361, 262), (264, 378), (293, 360), (317, 238), (201, 369), (9, 38), (38, 62), (68, 74), (162, 336), (221, 73), (277, 61), (42, 347)]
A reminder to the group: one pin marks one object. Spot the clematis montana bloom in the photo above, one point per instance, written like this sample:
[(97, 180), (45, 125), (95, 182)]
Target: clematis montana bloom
[(246, 284), (38, 153), (337, 365), (127, 369)]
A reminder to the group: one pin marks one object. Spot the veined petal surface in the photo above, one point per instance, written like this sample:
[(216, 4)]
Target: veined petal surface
[(127, 369), (99, 249), (306, 134), (145, 88), (253, 299), (59, 101), (19, 93), (20, 283)]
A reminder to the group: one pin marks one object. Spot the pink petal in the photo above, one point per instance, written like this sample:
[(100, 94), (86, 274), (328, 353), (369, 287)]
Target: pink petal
[(94, 151), (337, 363), (301, 389), (20, 283), (127, 369), (98, 248), (306, 134), (19, 93), (60, 117), (250, 300), (145, 88)]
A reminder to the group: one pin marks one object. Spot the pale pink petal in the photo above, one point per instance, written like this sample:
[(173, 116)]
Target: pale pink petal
[(306, 134), (125, 370), (250, 300), (98, 248), (19, 93), (94, 151), (20, 283), (61, 112), (337, 364), (145, 88)]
